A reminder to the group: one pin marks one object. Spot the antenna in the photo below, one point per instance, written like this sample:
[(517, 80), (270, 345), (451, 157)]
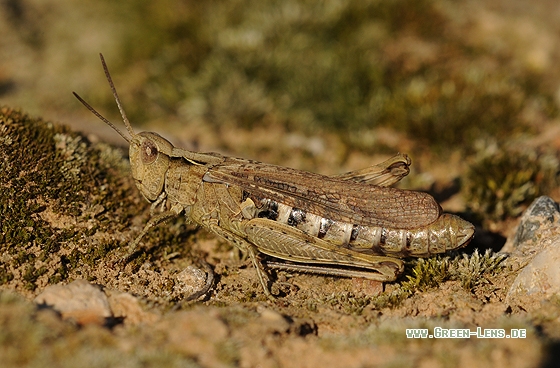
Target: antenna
[(101, 117), (116, 96), (119, 105)]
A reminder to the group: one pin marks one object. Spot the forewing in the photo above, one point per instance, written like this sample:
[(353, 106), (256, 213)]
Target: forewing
[(329, 197)]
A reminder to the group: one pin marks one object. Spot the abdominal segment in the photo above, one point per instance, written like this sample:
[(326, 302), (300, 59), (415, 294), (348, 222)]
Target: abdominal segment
[(446, 233)]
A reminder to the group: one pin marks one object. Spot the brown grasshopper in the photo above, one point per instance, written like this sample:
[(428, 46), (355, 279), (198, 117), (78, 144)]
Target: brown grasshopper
[(351, 225)]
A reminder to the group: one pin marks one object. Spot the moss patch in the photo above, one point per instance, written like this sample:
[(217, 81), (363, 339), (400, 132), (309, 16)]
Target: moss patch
[(61, 195)]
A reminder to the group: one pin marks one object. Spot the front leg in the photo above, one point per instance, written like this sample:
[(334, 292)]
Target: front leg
[(152, 222)]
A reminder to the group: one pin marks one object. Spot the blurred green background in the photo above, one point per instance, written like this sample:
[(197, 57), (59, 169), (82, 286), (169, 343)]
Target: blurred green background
[(443, 72), (447, 81)]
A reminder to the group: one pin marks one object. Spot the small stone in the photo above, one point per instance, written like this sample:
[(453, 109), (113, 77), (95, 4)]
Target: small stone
[(190, 280), (541, 277), (536, 247), (79, 301), (128, 308), (542, 214)]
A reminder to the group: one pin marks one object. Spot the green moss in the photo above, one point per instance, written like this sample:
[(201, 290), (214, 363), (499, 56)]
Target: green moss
[(56, 189), (427, 273), (390, 299), (422, 274), (5, 276), (31, 275), (502, 181), (474, 270), (471, 270)]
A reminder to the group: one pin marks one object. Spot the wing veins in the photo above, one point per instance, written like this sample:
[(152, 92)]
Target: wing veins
[(329, 197)]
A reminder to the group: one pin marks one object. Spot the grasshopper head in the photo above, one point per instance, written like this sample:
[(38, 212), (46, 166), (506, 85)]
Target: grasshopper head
[(149, 161)]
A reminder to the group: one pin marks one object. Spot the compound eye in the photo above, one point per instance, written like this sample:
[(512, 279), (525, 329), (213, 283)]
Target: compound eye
[(149, 152)]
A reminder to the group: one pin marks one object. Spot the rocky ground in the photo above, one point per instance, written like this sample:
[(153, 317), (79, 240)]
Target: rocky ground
[(66, 298)]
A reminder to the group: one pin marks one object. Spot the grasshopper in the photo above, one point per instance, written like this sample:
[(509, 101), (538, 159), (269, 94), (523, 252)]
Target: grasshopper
[(352, 225)]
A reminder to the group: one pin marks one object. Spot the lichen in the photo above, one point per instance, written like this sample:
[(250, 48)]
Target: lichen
[(55, 192)]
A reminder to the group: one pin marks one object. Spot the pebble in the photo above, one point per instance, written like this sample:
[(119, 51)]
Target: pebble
[(88, 304), (79, 301), (535, 248), (190, 280)]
